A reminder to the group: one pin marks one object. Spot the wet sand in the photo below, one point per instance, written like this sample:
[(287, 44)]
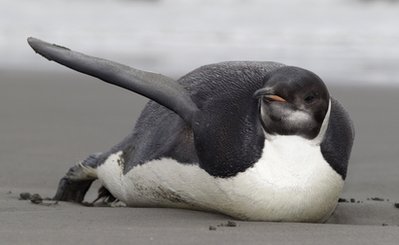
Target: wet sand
[(49, 121)]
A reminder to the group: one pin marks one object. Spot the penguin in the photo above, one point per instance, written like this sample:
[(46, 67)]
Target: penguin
[(253, 140)]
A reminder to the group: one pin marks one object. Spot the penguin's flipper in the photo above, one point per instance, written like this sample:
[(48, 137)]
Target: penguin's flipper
[(157, 87), (77, 181)]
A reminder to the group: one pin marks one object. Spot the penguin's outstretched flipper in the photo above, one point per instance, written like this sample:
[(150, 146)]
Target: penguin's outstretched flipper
[(157, 87)]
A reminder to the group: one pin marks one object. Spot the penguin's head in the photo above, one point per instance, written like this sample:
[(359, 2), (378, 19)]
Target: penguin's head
[(293, 101)]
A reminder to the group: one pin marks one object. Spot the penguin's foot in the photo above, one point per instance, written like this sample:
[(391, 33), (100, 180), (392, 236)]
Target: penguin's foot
[(77, 181), (106, 198)]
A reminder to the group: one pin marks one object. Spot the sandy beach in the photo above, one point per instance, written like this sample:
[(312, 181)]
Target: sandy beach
[(49, 121)]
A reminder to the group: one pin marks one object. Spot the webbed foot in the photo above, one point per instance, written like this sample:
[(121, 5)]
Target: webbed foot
[(106, 198)]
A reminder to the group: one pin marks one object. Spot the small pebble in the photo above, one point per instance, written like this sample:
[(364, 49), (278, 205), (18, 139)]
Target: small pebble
[(342, 200), (396, 205), (231, 224), (212, 228), (24, 196), (353, 200), (377, 199), (36, 199), (228, 224)]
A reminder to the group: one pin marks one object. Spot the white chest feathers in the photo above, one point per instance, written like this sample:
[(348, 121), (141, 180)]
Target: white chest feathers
[(290, 182)]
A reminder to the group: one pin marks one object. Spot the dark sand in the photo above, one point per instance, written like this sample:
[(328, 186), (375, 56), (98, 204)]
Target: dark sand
[(50, 121)]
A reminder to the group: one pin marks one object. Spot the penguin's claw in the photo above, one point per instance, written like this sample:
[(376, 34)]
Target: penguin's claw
[(105, 198)]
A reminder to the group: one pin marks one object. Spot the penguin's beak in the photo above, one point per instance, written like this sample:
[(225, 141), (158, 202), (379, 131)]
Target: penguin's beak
[(273, 97), (269, 95)]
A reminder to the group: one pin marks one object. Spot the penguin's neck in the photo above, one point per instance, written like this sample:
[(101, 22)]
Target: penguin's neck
[(290, 159)]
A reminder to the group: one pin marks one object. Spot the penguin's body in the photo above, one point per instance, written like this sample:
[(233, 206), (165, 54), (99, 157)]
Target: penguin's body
[(253, 140)]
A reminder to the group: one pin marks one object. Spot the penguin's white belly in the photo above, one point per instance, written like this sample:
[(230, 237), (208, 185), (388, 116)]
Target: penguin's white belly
[(290, 182)]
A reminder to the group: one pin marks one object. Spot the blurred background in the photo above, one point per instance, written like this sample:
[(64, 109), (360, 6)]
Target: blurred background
[(52, 117), (346, 41)]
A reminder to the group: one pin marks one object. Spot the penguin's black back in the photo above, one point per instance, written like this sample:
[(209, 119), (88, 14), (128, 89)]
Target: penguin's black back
[(227, 141)]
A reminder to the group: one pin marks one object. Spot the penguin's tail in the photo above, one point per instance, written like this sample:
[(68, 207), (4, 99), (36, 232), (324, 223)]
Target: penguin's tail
[(157, 87)]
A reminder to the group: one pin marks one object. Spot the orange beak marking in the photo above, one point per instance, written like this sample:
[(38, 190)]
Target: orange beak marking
[(275, 98)]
